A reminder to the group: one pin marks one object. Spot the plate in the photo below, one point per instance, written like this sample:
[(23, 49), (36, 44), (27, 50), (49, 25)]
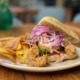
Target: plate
[(53, 67)]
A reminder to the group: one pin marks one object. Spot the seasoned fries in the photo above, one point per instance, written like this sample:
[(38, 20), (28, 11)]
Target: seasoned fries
[(21, 54), (4, 52)]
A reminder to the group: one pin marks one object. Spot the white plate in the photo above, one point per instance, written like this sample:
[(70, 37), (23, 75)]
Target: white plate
[(53, 67)]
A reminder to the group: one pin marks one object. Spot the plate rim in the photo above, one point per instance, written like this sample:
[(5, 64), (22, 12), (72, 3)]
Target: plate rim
[(40, 69)]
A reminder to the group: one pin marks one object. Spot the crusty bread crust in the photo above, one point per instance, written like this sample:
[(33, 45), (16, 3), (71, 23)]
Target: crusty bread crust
[(48, 20)]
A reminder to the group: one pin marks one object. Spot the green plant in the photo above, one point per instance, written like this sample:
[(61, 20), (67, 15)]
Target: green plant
[(5, 15), (4, 5)]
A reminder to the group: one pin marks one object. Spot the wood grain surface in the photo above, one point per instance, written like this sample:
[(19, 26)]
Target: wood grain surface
[(9, 74)]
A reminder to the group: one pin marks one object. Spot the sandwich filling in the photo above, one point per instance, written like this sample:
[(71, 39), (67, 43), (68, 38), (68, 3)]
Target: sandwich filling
[(46, 39)]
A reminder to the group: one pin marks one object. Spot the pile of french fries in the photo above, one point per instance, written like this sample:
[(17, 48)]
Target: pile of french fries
[(13, 48)]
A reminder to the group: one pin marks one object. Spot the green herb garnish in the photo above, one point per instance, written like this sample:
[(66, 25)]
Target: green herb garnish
[(43, 51)]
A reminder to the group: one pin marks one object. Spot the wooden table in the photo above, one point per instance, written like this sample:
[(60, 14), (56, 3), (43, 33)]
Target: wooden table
[(9, 74)]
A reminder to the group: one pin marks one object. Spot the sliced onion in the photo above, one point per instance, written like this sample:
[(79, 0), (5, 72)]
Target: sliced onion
[(38, 30), (37, 35)]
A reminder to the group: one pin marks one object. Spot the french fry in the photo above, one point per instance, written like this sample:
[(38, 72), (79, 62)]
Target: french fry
[(5, 53), (21, 54), (18, 46), (14, 44), (4, 41), (23, 37), (6, 38), (11, 51)]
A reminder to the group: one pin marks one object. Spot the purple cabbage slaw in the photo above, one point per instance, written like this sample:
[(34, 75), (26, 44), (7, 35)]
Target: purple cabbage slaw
[(46, 35)]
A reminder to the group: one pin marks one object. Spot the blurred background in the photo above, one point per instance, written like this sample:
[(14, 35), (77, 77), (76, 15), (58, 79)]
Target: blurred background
[(34, 10), (16, 13)]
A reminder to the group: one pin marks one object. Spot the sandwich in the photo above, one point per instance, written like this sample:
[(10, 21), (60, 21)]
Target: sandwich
[(49, 37)]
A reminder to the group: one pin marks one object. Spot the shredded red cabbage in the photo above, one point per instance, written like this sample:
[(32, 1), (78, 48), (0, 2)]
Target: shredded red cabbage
[(46, 35)]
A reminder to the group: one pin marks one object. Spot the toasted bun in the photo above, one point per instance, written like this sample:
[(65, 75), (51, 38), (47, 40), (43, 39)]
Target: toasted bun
[(48, 20), (70, 49)]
